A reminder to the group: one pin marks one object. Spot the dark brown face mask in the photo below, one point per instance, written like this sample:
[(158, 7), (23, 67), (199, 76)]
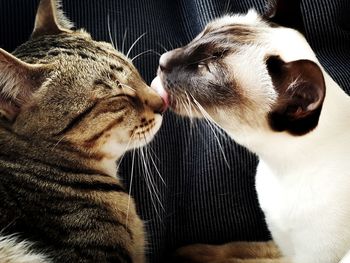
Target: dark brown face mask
[(203, 72)]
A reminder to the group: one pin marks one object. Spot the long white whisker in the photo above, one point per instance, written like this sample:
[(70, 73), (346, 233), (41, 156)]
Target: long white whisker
[(215, 125), (115, 35), (131, 180), (228, 6), (123, 155), (148, 183), (185, 107), (209, 120), (163, 47), (154, 185), (110, 32), (133, 45), (150, 179), (153, 162), (189, 103), (58, 142), (145, 52), (153, 152), (171, 45), (127, 86), (124, 39)]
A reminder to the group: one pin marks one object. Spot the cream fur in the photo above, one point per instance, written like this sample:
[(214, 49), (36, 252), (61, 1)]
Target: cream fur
[(302, 182), (14, 251)]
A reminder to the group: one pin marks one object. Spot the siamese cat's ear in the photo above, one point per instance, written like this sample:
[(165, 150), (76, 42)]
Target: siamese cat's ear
[(286, 13), (18, 81), (50, 19), (301, 91)]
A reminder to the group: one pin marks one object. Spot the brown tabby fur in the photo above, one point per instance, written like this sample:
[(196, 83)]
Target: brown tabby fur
[(70, 107)]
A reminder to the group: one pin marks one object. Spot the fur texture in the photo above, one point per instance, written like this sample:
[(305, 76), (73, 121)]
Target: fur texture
[(70, 108), (14, 251), (303, 175)]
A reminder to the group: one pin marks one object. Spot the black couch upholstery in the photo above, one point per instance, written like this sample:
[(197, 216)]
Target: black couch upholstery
[(204, 199)]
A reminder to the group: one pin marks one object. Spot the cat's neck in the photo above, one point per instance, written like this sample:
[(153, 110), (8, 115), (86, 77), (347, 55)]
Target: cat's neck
[(330, 135)]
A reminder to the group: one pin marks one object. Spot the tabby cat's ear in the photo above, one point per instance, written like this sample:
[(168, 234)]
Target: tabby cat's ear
[(285, 13), (50, 19), (18, 81), (301, 91)]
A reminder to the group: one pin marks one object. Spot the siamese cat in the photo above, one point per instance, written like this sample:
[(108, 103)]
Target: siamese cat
[(262, 83)]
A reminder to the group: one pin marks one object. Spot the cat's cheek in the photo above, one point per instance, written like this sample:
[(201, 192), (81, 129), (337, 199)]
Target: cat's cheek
[(139, 138)]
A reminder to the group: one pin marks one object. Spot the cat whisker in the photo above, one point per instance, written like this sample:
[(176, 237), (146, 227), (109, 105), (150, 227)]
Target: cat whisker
[(152, 183), (189, 103), (130, 185), (133, 44), (127, 86), (58, 142), (124, 39), (201, 60), (163, 47), (171, 45), (228, 7), (153, 162), (148, 184), (190, 106), (115, 35), (151, 179), (212, 125), (145, 52), (153, 152), (183, 103), (110, 33), (122, 157)]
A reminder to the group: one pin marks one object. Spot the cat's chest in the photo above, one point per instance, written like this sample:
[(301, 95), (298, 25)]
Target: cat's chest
[(307, 207)]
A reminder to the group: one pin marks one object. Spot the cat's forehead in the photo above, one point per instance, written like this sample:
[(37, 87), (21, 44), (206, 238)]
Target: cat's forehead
[(251, 19), (71, 47), (229, 29)]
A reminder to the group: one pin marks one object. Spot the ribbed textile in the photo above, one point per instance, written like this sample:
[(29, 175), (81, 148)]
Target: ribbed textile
[(203, 197)]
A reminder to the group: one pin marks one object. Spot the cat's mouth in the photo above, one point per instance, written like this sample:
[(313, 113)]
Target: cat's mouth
[(182, 103), (159, 86)]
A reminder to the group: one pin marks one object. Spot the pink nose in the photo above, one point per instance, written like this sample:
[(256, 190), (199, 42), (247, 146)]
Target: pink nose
[(159, 88)]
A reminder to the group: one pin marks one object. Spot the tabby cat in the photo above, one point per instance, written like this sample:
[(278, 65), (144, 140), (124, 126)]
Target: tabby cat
[(263, 84), (70, 107)]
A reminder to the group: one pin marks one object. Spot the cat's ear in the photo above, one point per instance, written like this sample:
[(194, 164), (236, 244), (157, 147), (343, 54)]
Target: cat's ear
[(285, 13), (18, 81), (301, 91), (50, 19)]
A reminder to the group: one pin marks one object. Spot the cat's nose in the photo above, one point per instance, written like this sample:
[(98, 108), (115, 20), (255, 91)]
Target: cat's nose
[(163, 63), (169, 60)]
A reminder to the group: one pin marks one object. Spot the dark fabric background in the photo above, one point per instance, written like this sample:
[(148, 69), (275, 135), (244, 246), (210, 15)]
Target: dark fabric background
[(203, 198)]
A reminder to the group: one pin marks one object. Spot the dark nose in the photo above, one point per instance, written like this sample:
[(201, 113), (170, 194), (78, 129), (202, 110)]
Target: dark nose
[(169, 60), (164, 64)]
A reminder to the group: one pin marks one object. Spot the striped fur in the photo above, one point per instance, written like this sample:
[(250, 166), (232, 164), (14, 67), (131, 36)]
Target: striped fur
[(75, 106)]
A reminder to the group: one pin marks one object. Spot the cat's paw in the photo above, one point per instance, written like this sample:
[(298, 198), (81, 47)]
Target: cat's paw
[(198, 253), (234, 252)]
